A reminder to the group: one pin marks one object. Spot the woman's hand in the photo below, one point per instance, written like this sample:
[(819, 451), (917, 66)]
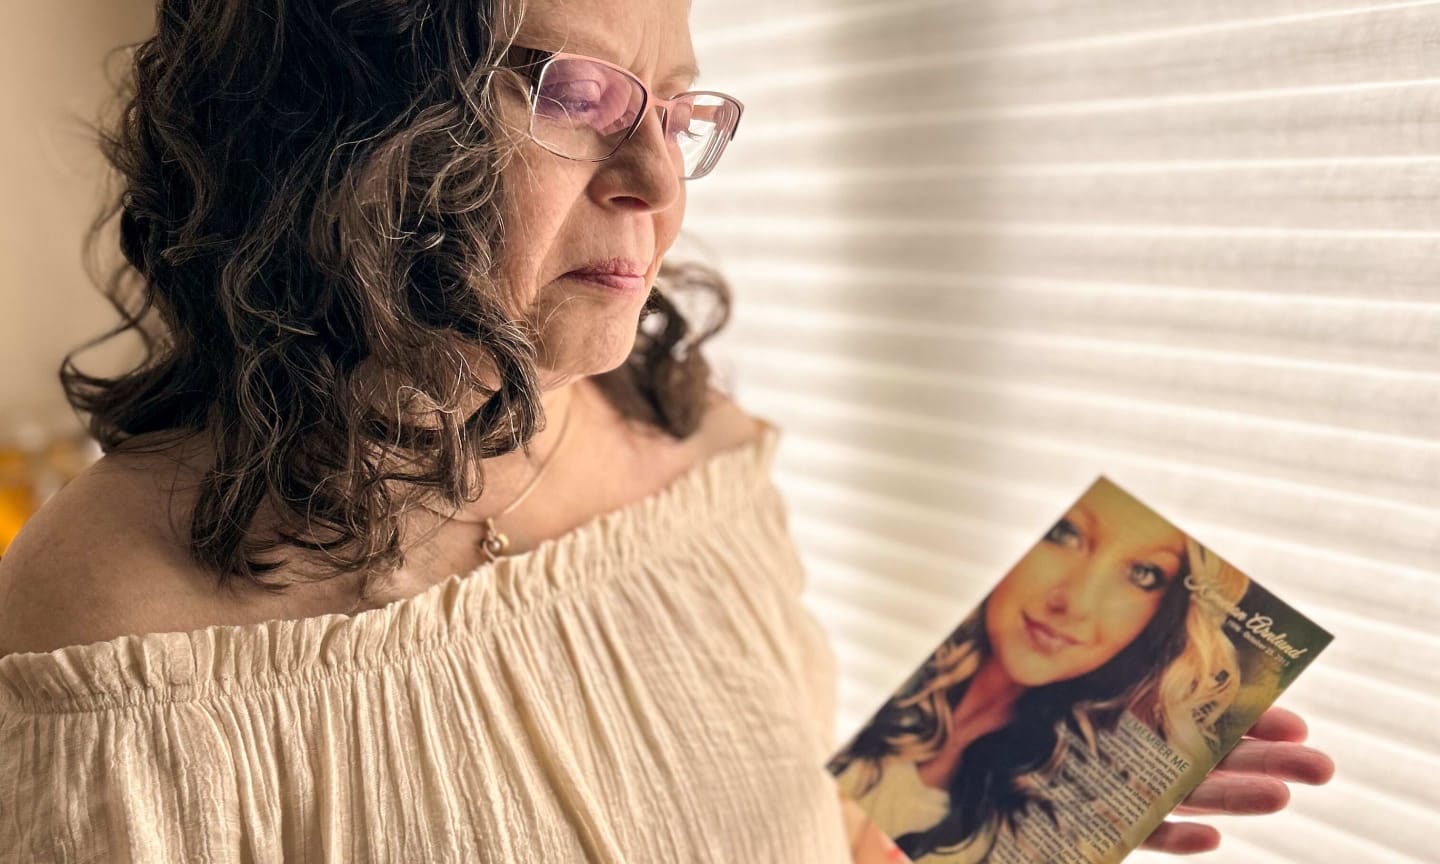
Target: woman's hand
[(1250, 780)]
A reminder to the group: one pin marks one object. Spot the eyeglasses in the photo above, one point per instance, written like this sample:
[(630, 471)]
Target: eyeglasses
[(586, 109)]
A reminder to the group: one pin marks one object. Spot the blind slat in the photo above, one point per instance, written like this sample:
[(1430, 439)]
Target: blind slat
[(983, 251)]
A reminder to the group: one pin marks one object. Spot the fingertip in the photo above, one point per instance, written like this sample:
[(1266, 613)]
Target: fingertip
[(1281, 724), (1207, 840), (1299, 729), (1255, 796), (1303, 765), (1183, 838), (1323, 771), (1296, 726), (1271, 798)]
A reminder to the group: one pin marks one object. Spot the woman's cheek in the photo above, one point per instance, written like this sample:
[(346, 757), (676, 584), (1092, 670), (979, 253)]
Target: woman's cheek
[(1126, 621), (998, 607), (1025, 578)]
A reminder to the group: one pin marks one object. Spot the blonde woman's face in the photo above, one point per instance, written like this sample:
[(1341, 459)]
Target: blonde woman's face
[(1085, 591), (561, 214)]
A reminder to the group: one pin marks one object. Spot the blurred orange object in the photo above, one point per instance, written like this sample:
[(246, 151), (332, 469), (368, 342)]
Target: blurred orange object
[(34, 464), (17, 494)]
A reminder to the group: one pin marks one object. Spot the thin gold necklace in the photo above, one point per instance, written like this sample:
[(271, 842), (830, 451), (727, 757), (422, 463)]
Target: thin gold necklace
[(492, 543)]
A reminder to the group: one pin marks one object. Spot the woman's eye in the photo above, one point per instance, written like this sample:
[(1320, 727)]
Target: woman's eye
[(572, 97), (1064, 533), (1146, 576)]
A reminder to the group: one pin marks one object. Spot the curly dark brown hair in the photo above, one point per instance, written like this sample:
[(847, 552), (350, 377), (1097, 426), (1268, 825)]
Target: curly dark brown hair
[(306, 190)]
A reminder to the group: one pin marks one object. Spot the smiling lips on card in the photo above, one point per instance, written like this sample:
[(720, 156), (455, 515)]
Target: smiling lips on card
[(1046, 638)]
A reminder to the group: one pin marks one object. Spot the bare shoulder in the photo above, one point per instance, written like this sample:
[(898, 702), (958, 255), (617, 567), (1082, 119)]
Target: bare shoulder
[(97, 561), (726, 425), (657, 459)]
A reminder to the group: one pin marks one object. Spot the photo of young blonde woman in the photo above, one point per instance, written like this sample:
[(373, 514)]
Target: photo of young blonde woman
[(1097, 619)]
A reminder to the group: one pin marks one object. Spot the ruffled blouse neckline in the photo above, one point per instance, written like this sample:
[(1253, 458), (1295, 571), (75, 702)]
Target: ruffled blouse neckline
[(175, 666)]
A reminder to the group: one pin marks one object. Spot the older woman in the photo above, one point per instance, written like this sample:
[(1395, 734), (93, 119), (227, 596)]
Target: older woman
[(420, 534)]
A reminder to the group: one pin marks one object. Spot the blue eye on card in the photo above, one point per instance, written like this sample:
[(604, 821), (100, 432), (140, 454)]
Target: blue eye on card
[(1064, 533)]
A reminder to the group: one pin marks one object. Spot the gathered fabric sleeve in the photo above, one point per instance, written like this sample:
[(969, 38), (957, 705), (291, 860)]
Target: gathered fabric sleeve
[(646, 688)]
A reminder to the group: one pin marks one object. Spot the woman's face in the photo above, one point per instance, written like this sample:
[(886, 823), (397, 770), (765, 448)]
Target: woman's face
[(1085, 591), (561, 215)]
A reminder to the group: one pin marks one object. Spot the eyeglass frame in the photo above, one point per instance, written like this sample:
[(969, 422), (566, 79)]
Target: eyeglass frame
[(542, 58)]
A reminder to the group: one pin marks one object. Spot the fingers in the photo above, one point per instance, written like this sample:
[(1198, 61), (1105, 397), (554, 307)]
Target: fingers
[(1282, 760), (1278, 724), (1182, 838), (1236, 795), (1252, 778)]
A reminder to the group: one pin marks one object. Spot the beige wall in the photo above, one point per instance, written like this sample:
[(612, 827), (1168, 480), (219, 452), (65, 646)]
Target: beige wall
[(51, 81)]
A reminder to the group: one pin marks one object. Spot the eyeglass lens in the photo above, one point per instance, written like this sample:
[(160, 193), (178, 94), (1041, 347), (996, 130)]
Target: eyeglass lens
[(586, 110)]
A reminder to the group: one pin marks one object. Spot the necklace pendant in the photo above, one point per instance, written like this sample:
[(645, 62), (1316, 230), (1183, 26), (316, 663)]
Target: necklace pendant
[(492, 543)]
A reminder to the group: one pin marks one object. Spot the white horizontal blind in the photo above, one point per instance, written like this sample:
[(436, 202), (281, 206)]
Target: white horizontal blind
[(984, 250)]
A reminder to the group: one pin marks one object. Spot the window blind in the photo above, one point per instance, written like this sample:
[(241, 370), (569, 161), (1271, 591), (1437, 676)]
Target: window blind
[(983, 251)]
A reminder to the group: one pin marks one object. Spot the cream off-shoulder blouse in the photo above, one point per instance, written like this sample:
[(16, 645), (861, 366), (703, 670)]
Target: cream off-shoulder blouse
[(645, 688)]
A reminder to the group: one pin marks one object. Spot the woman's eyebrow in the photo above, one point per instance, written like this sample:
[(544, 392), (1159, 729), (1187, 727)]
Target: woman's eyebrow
[(687, 72), (1159, 550)]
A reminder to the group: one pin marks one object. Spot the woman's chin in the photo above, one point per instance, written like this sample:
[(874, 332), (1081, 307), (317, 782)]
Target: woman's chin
[(1042, 672), (597, 359), (575, 334), (1028, 669)]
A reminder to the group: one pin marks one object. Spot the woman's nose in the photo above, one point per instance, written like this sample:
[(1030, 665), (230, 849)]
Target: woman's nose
[(1074, 593), (645, 174)]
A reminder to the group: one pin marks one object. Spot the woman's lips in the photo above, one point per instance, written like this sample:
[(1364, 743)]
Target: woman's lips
[(1044, 638), (618, 282)]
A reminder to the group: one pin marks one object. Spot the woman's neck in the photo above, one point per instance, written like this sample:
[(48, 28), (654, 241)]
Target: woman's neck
[(991, 693), (506, 476), (988, 704)]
